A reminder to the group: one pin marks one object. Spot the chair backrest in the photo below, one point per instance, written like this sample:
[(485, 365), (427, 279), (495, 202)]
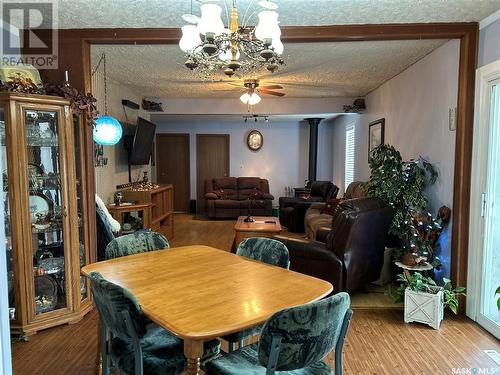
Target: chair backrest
[(354, 190), (321, 189), (300, 336), (135, 243), (265, 250), (112, 301), (358, 237), (104, 233)]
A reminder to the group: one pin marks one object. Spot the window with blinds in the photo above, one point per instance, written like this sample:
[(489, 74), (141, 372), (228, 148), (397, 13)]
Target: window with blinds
[(349, 156)]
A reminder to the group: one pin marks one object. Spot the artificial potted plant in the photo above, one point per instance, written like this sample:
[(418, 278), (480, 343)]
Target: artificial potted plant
[(424, 300), (401, 184)]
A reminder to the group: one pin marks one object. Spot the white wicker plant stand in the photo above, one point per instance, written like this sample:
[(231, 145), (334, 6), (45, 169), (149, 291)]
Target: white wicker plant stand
[(424, 308)]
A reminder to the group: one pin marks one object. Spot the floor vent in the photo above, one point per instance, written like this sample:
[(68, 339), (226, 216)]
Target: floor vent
[(494, 355)]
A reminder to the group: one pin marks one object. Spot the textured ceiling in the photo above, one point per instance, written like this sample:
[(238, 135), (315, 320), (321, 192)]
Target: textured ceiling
[(166, 13), (312, 70)]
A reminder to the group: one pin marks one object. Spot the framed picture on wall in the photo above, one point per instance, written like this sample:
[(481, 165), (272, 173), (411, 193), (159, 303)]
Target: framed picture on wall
[(376, 134)]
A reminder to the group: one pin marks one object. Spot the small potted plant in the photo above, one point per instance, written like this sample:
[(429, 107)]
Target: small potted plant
[(424, 300)]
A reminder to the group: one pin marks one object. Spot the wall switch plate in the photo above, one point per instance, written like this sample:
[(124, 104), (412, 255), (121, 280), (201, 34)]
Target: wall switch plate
[(452, 119)]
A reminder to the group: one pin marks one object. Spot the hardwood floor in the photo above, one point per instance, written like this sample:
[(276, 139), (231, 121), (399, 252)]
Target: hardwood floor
[(378, 342)]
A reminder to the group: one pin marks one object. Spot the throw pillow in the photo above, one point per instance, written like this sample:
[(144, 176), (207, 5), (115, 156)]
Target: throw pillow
[(220, 194), (330, 206)]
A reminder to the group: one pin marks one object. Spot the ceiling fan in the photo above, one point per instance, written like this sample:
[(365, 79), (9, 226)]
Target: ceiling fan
[(252, 87)]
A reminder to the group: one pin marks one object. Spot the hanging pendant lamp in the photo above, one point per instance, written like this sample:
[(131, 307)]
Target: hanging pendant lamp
[(107, 130)]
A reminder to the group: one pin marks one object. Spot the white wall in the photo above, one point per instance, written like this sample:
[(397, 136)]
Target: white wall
[(116, 171), (283, 158), (415, 105), (489, 44)]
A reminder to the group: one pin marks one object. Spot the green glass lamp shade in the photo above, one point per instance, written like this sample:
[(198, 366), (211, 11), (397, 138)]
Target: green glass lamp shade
[(107, 131)]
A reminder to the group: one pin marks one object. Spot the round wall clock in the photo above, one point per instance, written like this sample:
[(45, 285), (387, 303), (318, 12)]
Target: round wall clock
[(255, 140)]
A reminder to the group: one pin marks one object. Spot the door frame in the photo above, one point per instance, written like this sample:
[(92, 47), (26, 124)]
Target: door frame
[(74, 56), (185, 135), (485, 77), (228, 166)]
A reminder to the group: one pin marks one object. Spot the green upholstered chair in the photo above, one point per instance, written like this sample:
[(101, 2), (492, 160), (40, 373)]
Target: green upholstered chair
[(135, 243), (264, 250), (134, 345), (293, 341)]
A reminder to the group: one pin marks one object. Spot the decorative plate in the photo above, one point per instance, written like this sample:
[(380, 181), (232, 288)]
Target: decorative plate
[(41, 207), (255, 140)]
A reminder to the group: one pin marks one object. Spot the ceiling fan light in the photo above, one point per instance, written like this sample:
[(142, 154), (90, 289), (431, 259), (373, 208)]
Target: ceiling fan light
[(210, 21), (254, 99), (245, 97), (268, 26), (190, 38)]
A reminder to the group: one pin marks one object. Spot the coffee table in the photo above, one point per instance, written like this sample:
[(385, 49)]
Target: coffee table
[(262, 226)]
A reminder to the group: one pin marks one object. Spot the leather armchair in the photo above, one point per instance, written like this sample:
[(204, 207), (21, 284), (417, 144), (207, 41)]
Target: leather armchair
[(293, 209), (353, 254)]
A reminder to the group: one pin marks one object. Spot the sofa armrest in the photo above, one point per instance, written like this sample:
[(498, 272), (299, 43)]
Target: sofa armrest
[(317, 205), (267, 196), (313, 258), (322, 233), (211, 196)]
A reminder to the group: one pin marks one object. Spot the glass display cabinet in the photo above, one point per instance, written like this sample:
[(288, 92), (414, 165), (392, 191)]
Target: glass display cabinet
[(45, 211)]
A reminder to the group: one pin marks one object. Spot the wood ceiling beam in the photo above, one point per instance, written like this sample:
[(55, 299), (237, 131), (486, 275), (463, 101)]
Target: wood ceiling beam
[(290, 34)]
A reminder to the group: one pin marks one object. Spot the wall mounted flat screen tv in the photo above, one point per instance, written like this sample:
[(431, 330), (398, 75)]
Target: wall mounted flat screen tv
[(143, 142)]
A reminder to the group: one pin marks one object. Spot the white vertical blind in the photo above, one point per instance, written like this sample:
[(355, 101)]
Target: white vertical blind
[(349, 155)]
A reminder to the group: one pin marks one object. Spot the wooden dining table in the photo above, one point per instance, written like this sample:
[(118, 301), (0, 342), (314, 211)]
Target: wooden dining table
[(199, 293)]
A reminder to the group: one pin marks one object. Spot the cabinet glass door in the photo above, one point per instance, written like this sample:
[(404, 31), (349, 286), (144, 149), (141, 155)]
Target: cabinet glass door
[(6, 207), (46, 208), (83, 246)]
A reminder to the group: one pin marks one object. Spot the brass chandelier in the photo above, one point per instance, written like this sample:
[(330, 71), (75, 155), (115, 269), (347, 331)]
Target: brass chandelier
[(212, 48)]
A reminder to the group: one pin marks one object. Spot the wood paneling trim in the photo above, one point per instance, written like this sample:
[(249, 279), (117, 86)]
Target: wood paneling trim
[(291, 34), (463, 157)]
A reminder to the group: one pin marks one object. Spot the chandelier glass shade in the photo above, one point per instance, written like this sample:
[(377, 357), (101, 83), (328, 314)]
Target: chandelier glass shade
[(190, 38), (210, 21), (211, 48)]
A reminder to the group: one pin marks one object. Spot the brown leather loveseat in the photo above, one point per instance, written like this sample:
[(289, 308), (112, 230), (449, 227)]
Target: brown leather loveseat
[(230, 197), (353, 254)]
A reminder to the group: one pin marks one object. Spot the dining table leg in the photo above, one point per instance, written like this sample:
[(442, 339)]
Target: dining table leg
[(193, 350)]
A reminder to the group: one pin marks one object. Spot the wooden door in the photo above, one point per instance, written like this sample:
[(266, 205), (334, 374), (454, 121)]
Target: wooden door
[(172, 167), (212, 160)]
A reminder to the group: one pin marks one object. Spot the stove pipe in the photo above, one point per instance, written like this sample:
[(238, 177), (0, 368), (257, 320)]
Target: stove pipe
[(313, 146)]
